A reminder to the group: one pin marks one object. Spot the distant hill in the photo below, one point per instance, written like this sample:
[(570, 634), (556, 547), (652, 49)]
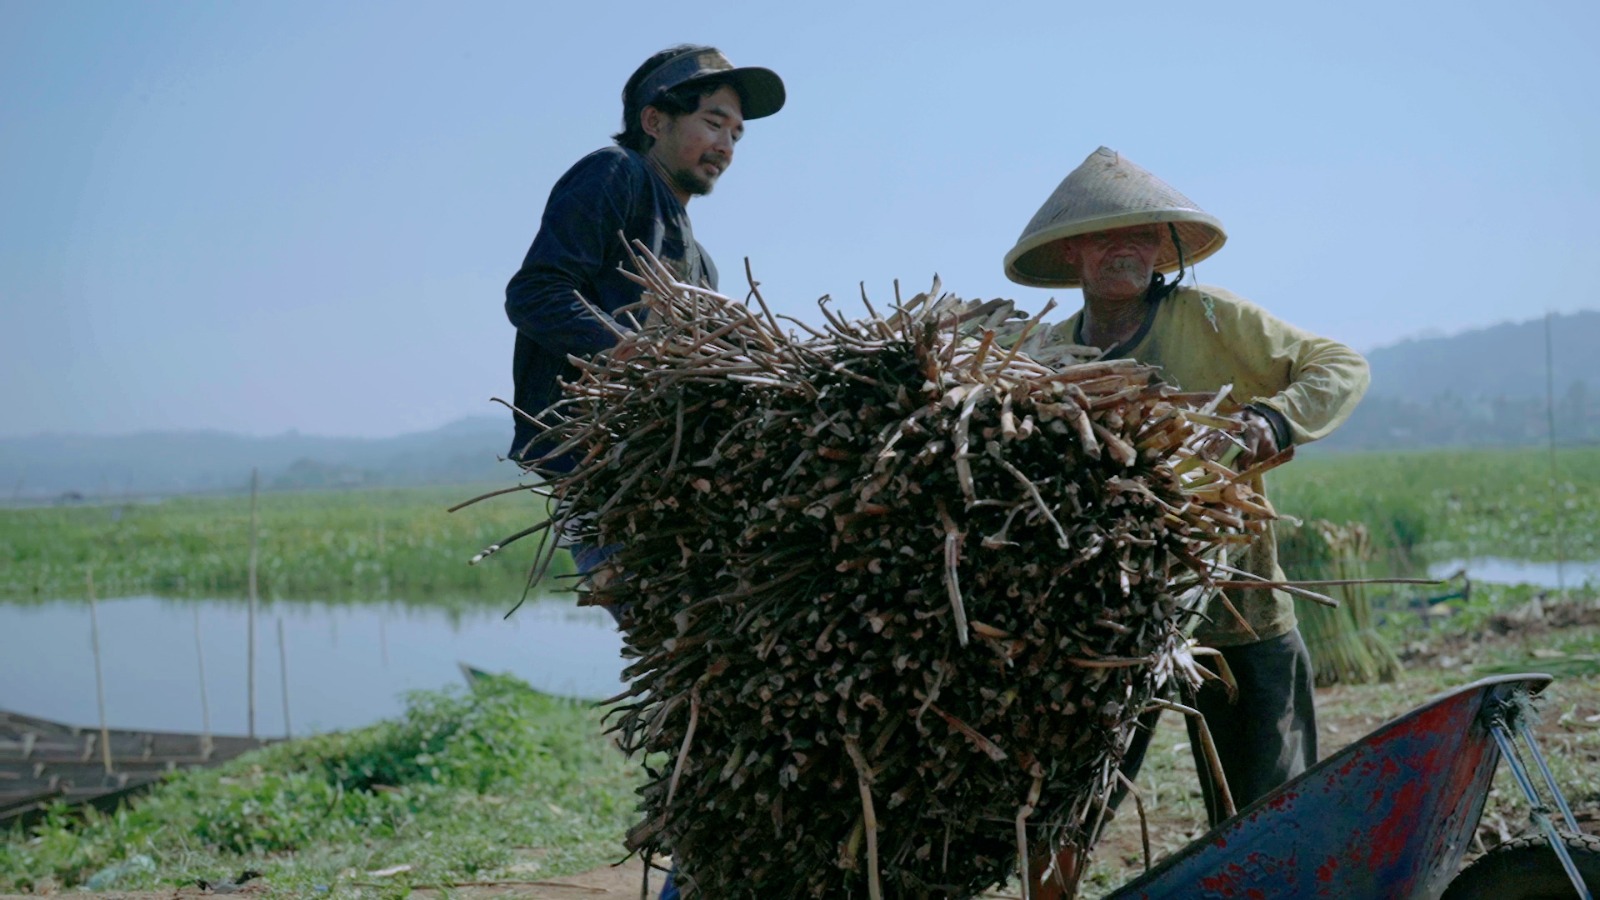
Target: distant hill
[(1482, 388), (57, 466), (1501, 361)]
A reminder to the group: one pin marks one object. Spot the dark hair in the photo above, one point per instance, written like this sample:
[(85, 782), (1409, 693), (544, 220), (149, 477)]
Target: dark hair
[(674, 102)]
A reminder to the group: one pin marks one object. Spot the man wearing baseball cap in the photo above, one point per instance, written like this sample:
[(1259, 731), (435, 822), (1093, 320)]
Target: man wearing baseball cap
[(1114, 230), (683, 111)]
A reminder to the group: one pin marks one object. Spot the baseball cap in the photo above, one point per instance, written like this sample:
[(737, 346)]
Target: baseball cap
[(760, 90)]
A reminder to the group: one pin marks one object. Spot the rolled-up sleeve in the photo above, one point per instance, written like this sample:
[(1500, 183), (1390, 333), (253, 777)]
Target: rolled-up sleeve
[(586, 211)]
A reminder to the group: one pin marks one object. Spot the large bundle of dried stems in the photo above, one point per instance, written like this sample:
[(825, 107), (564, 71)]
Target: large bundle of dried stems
[(894, 594)]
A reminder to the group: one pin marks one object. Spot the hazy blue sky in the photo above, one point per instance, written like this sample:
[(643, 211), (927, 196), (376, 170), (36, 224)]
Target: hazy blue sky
[(272, 215)]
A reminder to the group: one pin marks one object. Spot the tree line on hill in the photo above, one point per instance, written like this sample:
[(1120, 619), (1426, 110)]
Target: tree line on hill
[(1485, 388)]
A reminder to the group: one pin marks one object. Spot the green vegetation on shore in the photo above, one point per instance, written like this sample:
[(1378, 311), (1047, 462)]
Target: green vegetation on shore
[(401, 544), (1436, 505), (364, 544), (465, 785)]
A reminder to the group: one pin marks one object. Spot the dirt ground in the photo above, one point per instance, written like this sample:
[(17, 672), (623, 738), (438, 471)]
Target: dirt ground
[(1568, 733)]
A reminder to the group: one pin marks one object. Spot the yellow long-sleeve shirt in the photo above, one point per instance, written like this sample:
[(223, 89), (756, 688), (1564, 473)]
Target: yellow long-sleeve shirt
[(1205, 337)]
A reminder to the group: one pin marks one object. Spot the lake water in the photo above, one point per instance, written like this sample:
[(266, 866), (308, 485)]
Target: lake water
[(1520, 571), (348, 665)]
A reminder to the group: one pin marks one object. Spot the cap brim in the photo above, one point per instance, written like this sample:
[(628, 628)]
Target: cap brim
[(761, 91)]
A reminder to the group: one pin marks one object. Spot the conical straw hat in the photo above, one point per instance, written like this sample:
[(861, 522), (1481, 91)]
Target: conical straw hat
[(1105, 192)]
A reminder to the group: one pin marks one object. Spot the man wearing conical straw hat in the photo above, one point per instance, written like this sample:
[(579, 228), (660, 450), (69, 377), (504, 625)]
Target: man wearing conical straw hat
[(1114, 230)]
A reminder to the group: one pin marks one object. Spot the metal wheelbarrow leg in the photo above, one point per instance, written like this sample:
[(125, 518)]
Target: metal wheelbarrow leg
[(1522, 868)]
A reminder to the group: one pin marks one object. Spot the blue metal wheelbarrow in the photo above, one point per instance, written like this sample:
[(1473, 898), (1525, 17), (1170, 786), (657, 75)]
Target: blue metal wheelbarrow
[(1392, 815)]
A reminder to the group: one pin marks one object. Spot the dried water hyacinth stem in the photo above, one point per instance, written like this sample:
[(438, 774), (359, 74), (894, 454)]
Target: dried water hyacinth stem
[(924, 553)]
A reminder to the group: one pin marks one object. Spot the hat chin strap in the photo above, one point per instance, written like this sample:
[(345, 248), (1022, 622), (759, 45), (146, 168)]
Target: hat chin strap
[(1159, 288)]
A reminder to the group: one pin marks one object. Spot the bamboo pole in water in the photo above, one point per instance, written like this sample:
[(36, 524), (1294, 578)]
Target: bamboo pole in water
[(1555, 474), (250, 677), (99, 675), (205, 705), (283, 678)]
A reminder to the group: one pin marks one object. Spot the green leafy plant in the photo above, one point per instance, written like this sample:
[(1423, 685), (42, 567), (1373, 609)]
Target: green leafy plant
[(452, 789)]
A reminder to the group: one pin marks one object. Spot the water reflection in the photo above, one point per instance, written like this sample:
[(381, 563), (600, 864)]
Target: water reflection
[(348, 665), (1520, 571)]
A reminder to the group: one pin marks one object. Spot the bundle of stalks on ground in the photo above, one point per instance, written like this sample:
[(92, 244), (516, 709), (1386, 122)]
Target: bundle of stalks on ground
[(894, 595), (1343, 641)]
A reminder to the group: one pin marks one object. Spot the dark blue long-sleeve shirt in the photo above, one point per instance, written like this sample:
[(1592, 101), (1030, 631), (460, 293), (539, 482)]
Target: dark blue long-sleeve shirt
[(577, 252)]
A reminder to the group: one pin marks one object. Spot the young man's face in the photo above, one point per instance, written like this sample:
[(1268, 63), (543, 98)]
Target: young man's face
[(1116, 264), (694, 149)]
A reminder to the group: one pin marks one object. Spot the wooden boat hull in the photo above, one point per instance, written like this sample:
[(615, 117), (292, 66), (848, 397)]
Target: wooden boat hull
[(43, 763)]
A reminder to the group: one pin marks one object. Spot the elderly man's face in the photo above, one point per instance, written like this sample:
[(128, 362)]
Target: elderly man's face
[(1116, 264)]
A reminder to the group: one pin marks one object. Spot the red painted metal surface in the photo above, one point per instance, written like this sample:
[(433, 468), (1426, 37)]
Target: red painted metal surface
[(1386, 817)]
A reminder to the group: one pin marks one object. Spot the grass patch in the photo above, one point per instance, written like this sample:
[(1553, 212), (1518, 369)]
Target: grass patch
[(325, 545), (462, 786), (1435, 505)]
